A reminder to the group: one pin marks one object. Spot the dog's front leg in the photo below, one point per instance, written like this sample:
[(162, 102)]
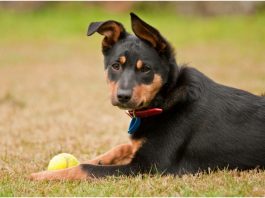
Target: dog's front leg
[(74, 173), (86, 171), (113, 170), (119, 155)]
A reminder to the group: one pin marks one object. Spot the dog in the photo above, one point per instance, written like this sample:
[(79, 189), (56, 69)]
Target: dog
[(182, 121)]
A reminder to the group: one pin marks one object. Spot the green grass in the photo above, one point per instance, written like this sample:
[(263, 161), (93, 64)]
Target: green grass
[(53, 96), (219, 184)]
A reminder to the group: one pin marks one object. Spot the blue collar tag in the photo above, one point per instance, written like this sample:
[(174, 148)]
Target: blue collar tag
[(134, 125)]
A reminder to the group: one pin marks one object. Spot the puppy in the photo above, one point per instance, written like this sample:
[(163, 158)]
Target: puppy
[(182, 121)]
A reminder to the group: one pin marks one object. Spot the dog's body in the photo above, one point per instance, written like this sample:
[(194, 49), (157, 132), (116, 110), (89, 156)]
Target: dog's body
[(204, 125)]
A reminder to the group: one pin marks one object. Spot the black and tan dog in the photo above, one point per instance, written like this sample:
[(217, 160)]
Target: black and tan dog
[(183, 122)]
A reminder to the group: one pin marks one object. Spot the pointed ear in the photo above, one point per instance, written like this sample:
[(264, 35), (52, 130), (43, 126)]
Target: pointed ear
[(146, 32), (112, 30)]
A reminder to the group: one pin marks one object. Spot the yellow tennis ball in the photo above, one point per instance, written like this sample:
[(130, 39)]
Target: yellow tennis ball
[(62, 161)]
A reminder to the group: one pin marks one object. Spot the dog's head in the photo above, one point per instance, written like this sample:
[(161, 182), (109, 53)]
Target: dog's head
[(137, 66)]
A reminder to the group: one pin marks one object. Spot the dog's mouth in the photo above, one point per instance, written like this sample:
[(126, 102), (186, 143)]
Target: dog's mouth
[(132, 106)]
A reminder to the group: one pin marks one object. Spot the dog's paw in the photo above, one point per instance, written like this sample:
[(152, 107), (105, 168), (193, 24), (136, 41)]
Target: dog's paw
[(74, 173), (43, 175)]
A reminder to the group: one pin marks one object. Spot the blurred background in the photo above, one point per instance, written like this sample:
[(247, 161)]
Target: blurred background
[(53, 95), (208, 8)]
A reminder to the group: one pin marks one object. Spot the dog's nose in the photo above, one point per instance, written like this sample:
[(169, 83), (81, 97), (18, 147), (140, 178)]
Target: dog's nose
[(124, 95)]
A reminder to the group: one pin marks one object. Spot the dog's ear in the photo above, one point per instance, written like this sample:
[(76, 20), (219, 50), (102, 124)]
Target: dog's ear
[(146, 32), (112, 30)]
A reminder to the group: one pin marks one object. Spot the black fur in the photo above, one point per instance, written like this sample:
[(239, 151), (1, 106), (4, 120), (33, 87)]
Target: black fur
[(204, 125)]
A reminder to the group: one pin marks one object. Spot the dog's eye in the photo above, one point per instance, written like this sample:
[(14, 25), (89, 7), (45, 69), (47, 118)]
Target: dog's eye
[(145, 69), (116, 66)]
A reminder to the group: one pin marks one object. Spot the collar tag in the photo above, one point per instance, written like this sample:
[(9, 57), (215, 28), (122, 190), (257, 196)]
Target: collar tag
[(137, 115), (134, 125)]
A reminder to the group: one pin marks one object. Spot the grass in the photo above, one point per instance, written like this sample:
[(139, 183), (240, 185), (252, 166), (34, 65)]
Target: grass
[(221, 183), (53, 96)]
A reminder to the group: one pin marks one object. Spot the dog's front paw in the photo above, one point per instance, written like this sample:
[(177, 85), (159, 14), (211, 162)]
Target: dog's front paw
[(43, 175), (74, 173)]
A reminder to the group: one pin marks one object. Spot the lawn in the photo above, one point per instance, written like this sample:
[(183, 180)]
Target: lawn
[(53, 96)]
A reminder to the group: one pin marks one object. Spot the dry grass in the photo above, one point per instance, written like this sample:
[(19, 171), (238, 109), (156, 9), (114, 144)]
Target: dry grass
[(53, 99)]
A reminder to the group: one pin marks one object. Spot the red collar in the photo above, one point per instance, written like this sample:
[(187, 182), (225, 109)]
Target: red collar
[(144, 113)]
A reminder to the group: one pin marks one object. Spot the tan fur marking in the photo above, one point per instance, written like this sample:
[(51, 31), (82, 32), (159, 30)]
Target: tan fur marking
[(139, 64), (122, 60), (113, 86), (74, 173), (145, 93), (136, 144), (119, 155)]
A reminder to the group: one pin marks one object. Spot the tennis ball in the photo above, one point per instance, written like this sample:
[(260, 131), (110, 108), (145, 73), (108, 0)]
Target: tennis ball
[(62, 161)]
